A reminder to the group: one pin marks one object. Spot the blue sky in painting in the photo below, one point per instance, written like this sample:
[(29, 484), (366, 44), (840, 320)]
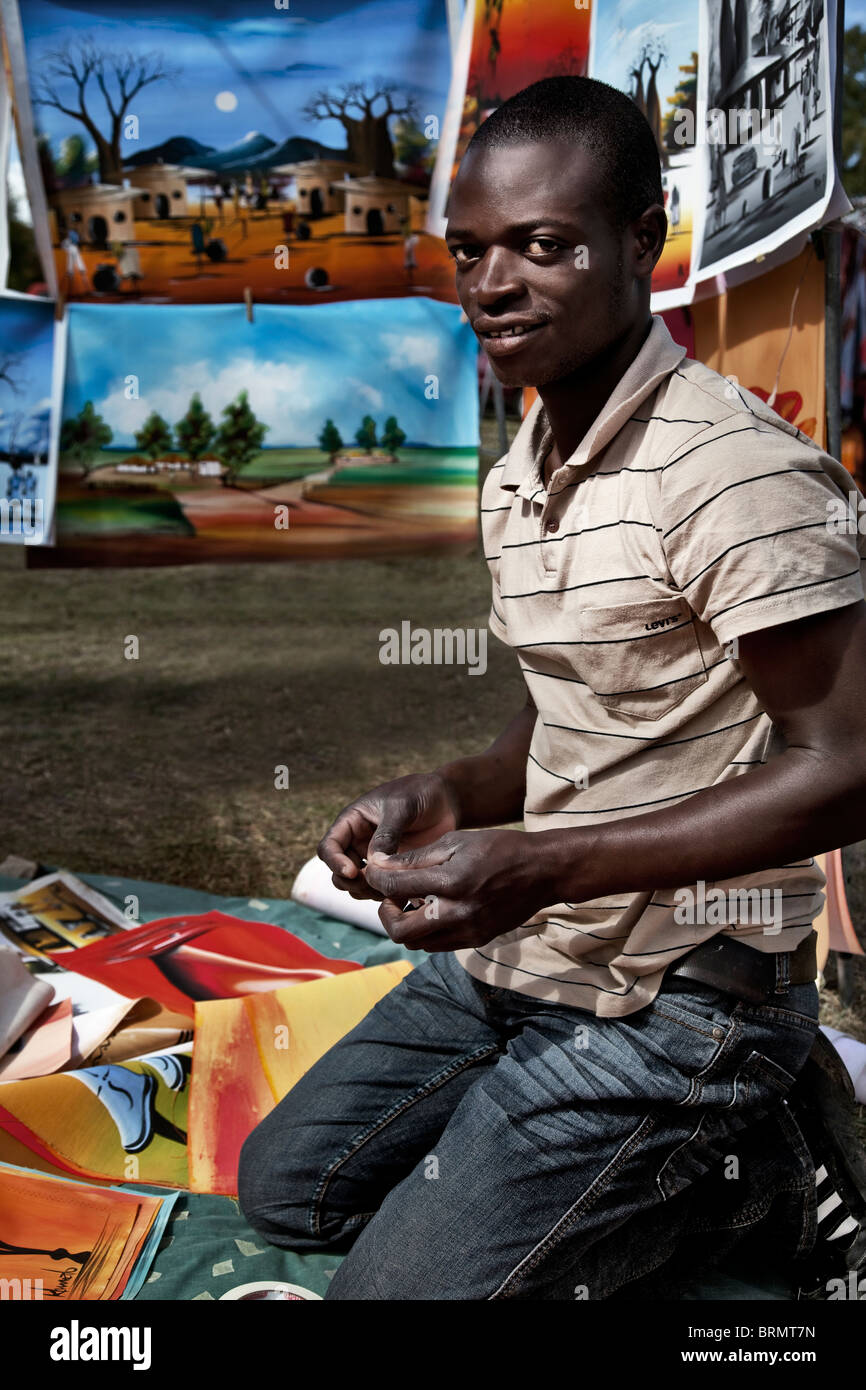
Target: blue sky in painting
[(622, 28), (271, 60), (299, 366), (26, 347)]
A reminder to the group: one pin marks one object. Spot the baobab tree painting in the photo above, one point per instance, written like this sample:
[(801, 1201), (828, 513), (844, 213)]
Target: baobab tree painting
[(364, 110), (644, 94), (85, 69), (655, 61), (188, 155), (28, 418)]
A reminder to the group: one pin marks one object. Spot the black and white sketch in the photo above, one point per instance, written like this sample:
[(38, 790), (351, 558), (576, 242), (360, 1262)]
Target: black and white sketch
[(765, 124)]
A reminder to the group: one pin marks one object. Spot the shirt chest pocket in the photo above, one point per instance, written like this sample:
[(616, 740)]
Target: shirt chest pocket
[(641, 659)]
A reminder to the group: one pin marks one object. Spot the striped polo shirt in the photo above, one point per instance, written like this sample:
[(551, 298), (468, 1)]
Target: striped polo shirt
[(689, 514)]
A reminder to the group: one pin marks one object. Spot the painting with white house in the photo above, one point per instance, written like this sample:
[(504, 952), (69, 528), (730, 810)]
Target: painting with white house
[(189, 154)]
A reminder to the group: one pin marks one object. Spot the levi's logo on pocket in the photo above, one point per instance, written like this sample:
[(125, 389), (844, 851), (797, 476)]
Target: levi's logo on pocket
[(664, 622)]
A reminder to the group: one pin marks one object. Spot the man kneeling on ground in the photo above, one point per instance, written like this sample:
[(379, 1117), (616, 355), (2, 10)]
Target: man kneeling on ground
[(615, 993)]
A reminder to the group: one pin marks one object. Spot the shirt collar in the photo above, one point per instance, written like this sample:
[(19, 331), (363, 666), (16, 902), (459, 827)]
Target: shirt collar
[(523, 468)]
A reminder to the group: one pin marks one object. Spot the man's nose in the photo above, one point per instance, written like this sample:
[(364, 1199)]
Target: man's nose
[(496, 277)]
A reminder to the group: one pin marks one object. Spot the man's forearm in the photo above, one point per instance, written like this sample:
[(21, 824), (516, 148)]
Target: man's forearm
[(801, 804), (489, 788)]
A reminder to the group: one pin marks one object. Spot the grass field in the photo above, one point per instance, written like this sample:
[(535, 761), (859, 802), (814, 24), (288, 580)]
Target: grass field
[(451, 464), (163, 768)]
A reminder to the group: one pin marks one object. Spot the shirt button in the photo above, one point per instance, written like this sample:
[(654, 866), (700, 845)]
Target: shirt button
[(552, 525)]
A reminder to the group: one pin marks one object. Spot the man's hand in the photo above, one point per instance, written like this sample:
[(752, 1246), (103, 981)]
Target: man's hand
[(470, 886), (407, 812), (486, 789)]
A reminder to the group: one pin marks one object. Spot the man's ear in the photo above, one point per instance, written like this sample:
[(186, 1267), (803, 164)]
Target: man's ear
[(650, 232)]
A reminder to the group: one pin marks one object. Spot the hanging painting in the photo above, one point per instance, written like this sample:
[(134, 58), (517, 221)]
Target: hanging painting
[(655, 60), (192, 151), (765, 101), (32, 347), (504, 46), (191, 434)]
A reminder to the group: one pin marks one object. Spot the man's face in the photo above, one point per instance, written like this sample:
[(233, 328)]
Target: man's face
[(546, 280)]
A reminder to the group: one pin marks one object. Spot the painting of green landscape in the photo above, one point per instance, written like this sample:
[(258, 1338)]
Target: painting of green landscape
[(190, 433)]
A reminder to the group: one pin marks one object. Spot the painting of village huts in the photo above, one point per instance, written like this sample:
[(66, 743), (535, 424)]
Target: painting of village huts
[(191, 153), (191, 434), (31, 358)]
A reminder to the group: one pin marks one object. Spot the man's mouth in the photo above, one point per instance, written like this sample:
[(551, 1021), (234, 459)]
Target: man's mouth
[(508, 332), (499, 341)]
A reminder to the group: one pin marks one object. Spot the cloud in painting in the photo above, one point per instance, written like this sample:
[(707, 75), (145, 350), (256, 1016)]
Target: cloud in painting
[(299, 366), (276, 393)]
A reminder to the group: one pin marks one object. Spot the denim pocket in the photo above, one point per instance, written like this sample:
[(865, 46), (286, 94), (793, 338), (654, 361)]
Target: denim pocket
[(695, 1008), (695, 1031)]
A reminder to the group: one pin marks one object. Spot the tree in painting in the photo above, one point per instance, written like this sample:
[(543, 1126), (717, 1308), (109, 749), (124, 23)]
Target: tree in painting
[(84, 435), (154, 437), (392, 435), (195, 432), (366, 435), (364, 111), (240, 437), (81, 70), (330, 439)]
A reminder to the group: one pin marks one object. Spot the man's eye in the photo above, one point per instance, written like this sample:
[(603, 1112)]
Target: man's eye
[(464, 254), (541, 246)]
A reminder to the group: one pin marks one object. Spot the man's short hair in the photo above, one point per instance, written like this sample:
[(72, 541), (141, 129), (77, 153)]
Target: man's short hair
[(598, 118)]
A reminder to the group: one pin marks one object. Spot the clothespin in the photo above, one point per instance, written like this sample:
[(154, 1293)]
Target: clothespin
[(248, 300)]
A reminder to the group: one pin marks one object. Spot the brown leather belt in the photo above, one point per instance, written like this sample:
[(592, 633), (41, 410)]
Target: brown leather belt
[(737, 969)]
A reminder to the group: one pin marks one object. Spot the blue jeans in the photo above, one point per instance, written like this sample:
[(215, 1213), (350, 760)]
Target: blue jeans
[(467, 1142)]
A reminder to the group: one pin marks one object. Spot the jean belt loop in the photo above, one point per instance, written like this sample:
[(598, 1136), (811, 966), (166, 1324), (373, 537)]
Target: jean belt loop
[(783, 972)]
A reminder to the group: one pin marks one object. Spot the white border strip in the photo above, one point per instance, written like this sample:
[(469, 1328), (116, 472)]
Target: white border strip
[(11, 20), (5, 124), (440, 185)]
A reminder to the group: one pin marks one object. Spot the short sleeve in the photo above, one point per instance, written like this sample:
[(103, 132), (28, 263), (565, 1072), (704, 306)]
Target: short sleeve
[(496, 621), (756, 527), (495, 507)]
